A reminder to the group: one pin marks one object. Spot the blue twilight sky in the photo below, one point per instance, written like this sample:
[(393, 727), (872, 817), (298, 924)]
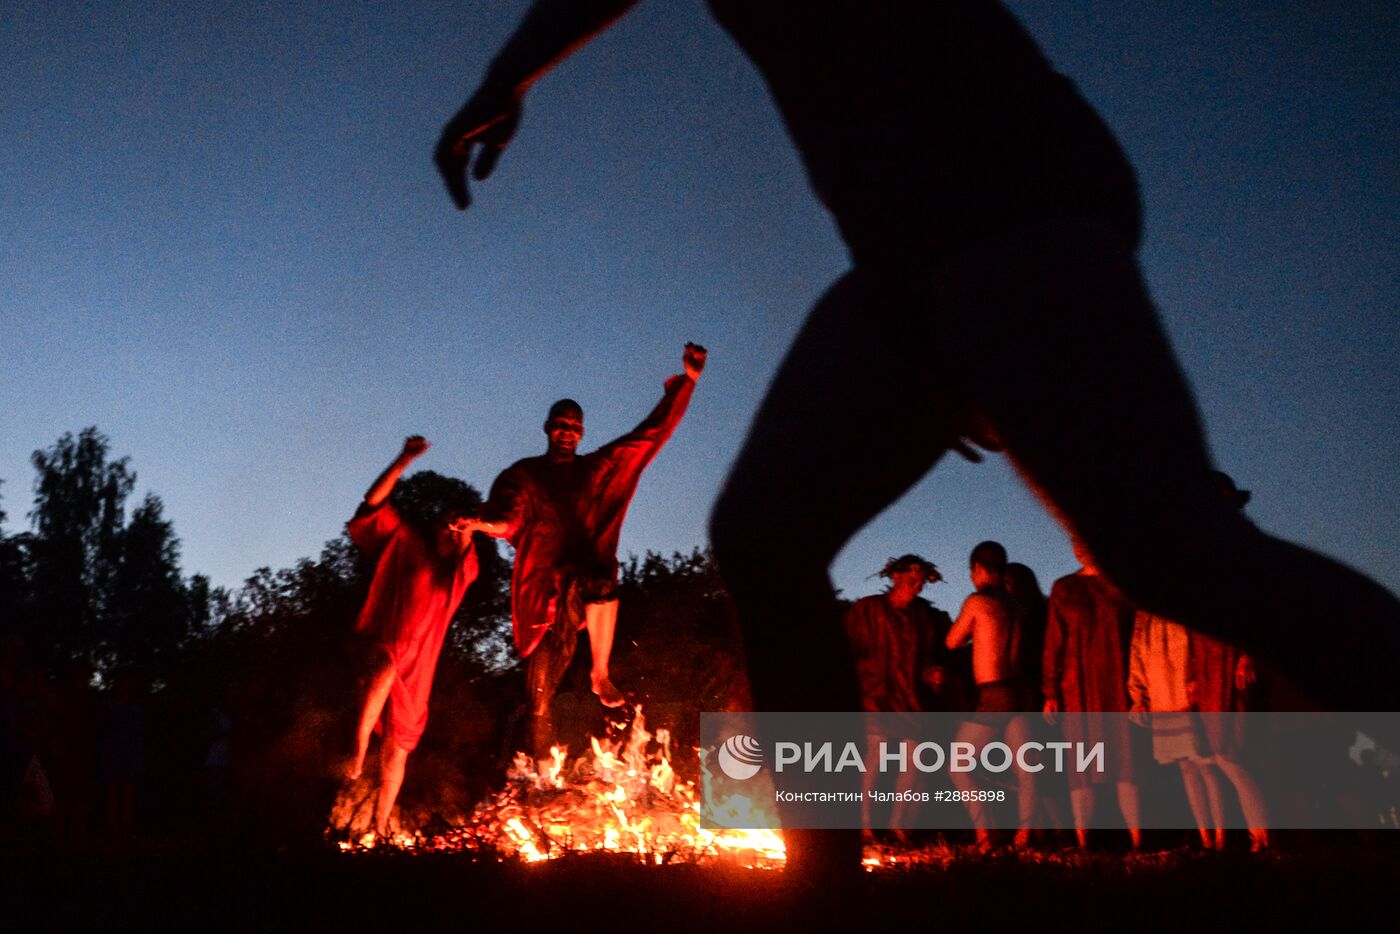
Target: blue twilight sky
[(224, 244)]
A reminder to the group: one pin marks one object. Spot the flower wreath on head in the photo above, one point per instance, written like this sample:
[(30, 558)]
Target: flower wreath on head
[(931, 572)]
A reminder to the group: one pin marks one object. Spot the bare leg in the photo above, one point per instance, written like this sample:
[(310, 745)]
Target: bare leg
[(904, 782), (978, 735), (380, 684), (602, 623), (1194, 782), (1251, 801), (848, 425), (1215, 800), (392, 759), (1132, 816), (1081, 805), (869, 779), (1018, 733)]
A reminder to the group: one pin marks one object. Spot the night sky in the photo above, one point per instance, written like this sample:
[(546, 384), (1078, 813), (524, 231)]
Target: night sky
[(225, 245)]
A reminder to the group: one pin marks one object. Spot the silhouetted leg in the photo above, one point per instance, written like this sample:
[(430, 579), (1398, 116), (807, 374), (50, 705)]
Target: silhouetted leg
[(847, 426), (544, 670), (1053, 334)]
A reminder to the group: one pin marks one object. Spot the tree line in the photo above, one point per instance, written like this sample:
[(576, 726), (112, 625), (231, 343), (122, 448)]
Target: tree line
[(93, 591)]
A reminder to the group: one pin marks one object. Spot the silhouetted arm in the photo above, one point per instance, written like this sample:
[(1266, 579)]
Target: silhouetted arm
[(551, 30)]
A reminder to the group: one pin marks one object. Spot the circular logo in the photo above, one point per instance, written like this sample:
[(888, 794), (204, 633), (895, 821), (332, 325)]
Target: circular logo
[(741, 757)]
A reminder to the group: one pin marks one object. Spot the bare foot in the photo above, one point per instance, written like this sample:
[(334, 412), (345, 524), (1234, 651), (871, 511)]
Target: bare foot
[(353, 767), (608, 694)]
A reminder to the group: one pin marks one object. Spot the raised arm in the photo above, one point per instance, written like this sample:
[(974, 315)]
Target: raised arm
[(551, 30), (656, 428), (413, 448)]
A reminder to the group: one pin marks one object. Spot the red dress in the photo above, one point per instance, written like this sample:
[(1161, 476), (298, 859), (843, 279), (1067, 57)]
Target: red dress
[(564, 517), (411, 601)]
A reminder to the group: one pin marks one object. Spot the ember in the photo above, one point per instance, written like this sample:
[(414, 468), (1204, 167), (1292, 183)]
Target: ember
[(622, 797)]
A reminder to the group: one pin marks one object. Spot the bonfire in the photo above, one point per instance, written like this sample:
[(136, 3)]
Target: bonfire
[(622, 796)]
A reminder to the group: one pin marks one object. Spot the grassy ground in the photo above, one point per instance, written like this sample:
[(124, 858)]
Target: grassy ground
[(1317, 885)]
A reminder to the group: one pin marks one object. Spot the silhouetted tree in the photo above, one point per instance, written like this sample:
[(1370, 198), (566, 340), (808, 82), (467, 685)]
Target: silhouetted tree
[(678, 645), (14, 578), (148, 615), (79, 501)]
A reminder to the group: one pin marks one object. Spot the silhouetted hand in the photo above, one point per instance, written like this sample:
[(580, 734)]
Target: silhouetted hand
[(1051, 711), (1137, 716), (694, 360), (414, 446), (487, 121)]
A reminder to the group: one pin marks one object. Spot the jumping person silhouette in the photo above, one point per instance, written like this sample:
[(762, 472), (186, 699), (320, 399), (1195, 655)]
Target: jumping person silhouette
[(993, 223)]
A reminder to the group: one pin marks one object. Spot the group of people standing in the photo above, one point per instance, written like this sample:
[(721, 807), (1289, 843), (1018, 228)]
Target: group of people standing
[(1084, 650)]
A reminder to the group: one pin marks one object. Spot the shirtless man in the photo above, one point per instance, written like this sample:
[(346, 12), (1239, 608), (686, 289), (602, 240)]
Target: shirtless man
[(420, 576), (562, 512), (1005, 248), (990, 619)]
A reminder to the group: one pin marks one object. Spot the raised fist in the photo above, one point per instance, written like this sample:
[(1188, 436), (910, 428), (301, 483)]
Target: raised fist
[(694, 360)]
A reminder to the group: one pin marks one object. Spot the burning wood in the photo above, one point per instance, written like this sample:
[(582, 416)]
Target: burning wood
[(621, 797)]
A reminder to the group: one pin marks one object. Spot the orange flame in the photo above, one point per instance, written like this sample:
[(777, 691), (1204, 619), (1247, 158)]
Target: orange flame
[(619, 798)]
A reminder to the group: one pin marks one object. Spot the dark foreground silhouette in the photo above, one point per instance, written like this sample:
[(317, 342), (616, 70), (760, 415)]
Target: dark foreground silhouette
[(1004, 251)]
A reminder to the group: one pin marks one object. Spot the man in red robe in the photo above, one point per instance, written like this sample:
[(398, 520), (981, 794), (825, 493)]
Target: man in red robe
[(420, 576), (562, 512), (1084, 671)]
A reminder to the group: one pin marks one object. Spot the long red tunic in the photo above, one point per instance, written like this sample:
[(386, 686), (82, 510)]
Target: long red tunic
[(564, 517), (1085, 663), (411, 601), (1085, 668)]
